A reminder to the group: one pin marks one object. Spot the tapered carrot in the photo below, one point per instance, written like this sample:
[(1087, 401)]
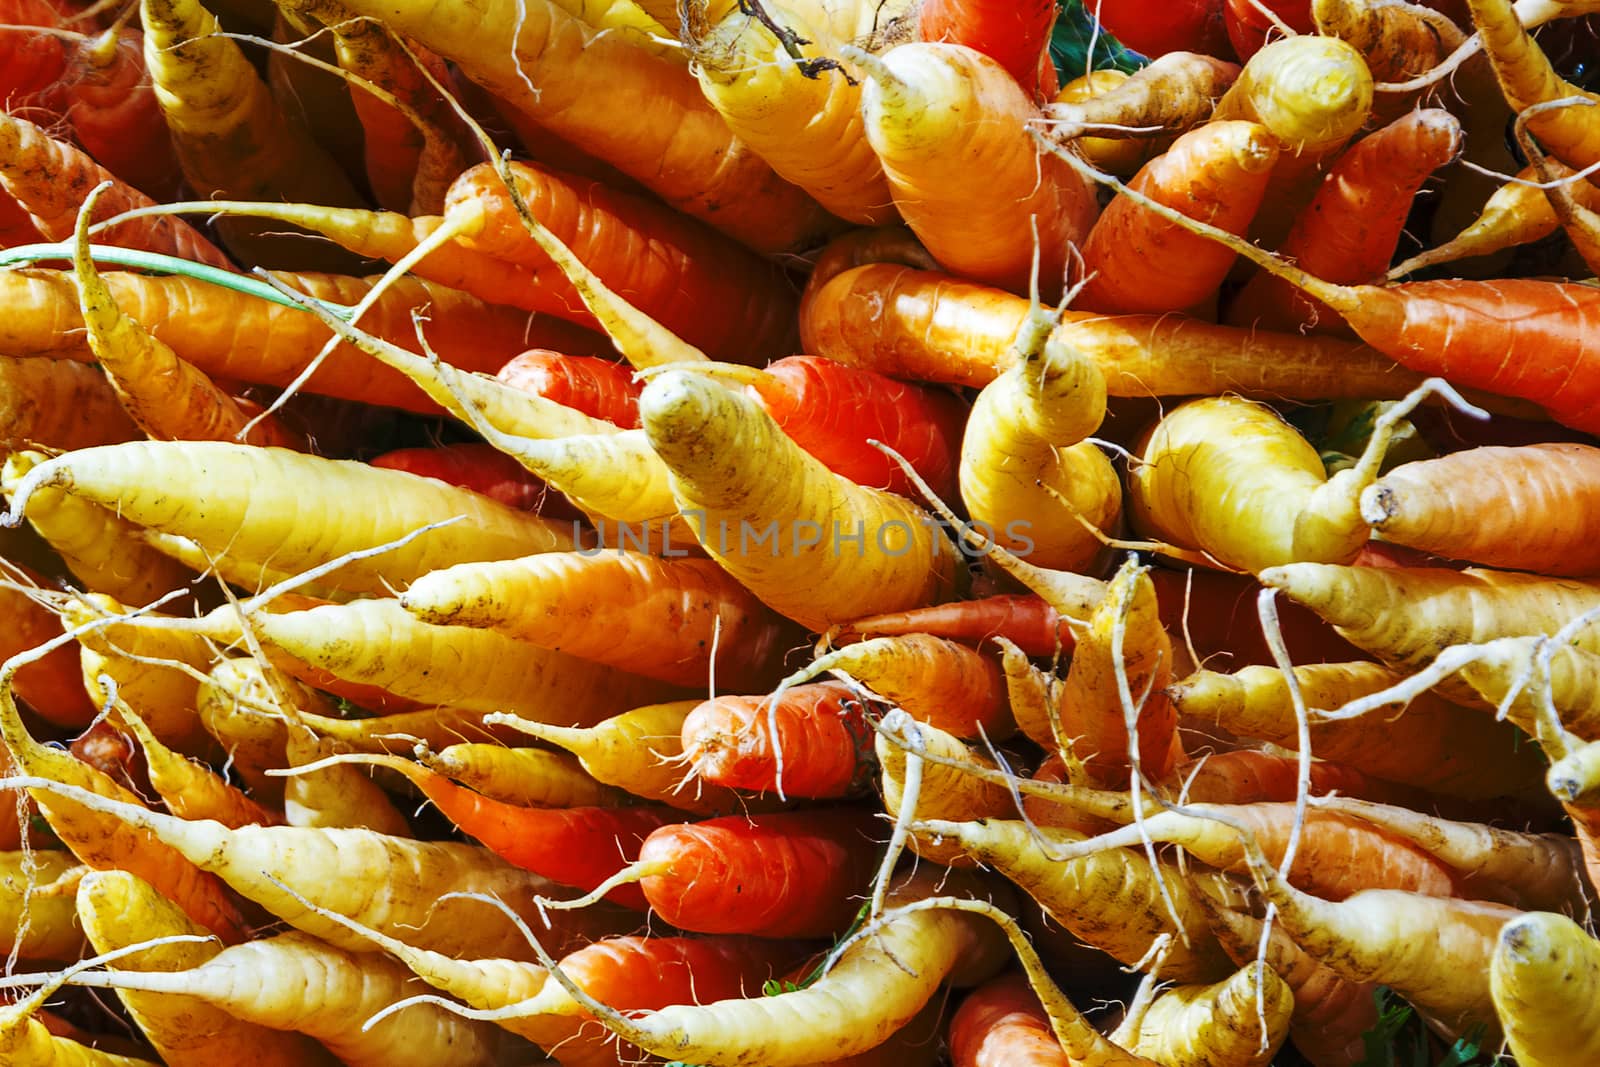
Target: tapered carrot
[(118, 910), (679, 620), (50, 179), (1134, 262), (227, 511), (1433, 745), (1175, 92), (781, 494), (1249, 776), (803, 116), (925, 326), (528, 777), (926, 773), (25, 1038), (1527, 77), (597, 387), (1397, 42), (392, 884), (579, 847), (232, 138), (1122, 156), (919, 106), (36, 903), (244, 338), (1348, 232), (816, 731), (189, 788), (1243, 1019), (589, 85), (1542, 970)]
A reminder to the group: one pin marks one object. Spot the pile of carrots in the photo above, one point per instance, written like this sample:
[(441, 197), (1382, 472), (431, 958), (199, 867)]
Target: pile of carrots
[(789, 533)]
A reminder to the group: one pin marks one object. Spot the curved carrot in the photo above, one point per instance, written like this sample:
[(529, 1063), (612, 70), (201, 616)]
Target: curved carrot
[(600, 388), (1136, 262), (1348, 232), (1527, 77), (820, 735), (108, 98)]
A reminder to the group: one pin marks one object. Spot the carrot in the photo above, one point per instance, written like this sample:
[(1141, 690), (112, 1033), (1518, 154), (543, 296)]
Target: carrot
[(230, 507), (597, 387), (107, 98), (1113, 900), (1002, 1022), (1035, 627), (33, 61), (318, 794), (1581, 223), (1434, 951), (1113, 702), (1259, 507), (779, 494), (1217, 172), (1539, 975), (818, 732), (930, 327), (675, 619), (169, 398), (802, 115), (233, 141), (1313, 94), (1429, 505), (102, 843), (590, 84), (396, 885), (294, 982), (189, 788), (51, 686), (1407, 616), (241, 337), (1030, 481), (918, 106), (1399, 42), (51, 179), (118, 910), (479, 467), (1517, 337), (580, 847), (944, 684), (58, 404), (638, 751), (1536, 871), (1177, 91), (26, 1039), (1158, 29), (36, 904), (1013, 35), (834, 412), (527, 777), (1349, 230), (1243, 1019), (1434, 745), (1250, 26), (877, 983), (1527, 77), (926, 773), (1122, 156)]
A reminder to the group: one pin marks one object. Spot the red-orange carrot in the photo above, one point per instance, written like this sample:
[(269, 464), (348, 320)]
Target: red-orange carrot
[(1250, 25), (601, 388), (1156, 27), (1349, 230), (815, 735), (51, 178), (796, 874), (1002, 1024), (1134, 261), (1013, 33)]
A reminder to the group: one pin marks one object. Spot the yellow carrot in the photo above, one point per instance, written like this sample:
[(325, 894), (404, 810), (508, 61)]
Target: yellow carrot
[(1542, 976), (1240, 1020), (36, 904)]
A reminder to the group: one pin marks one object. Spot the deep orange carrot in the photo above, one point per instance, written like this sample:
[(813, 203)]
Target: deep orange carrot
[(821, 737), (479, 467), (1012, 33), (601, 388)]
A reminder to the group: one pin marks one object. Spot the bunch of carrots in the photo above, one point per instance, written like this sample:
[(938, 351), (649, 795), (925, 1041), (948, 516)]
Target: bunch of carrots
[(781, 533)]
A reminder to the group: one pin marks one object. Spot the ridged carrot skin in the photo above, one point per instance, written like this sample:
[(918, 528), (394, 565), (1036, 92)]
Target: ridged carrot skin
[(1542, 976), (942, 683), (668, 266), (589, 87), (669, 615), (695, 425), (1348, 232), (969, 188), (1527, 77), (59, 404), (821, 734), (1474, 505), (947, 791), (51, 178), (1242, 1020), (243, 338), (930, 327), (783, 875), (600, 388), (1136, 262)]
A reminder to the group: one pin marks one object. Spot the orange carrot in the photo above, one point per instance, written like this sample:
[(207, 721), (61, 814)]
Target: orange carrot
[(1136, 262), (818, 731), (1010, 33), (600, 388), (479, 467), (1002, 1022)]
